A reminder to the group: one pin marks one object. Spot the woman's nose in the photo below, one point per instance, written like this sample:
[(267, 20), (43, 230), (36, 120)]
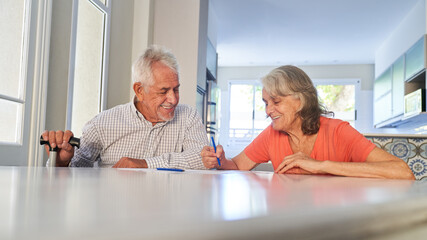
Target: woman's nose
[(268, 109)]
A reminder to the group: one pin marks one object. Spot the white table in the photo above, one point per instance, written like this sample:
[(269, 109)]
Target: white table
[(73, 203)]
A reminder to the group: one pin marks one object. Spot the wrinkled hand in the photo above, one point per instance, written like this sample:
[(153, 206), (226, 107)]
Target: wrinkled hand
[(126, 162), (209, 156), (60, 140), (299, 163)]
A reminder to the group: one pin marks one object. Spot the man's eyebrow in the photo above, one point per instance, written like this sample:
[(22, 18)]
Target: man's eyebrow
[(166, 89)]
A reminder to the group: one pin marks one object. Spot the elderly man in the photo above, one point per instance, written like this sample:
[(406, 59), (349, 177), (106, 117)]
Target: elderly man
[(151, 131)]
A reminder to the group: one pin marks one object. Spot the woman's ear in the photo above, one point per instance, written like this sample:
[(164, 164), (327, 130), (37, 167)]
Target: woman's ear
[(301, 101)]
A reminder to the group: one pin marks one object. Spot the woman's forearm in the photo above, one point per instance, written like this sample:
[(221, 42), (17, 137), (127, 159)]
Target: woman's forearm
[(385, 169), (228, 165)]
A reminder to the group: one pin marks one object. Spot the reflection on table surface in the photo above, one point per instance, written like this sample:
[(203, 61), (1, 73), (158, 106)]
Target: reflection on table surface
[(69, 203)]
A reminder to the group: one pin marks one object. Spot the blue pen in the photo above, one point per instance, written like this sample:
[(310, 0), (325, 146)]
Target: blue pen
[(171, 169), (213, 143)]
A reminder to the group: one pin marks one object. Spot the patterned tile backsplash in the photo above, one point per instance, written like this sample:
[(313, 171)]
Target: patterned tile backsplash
[(413, 150)]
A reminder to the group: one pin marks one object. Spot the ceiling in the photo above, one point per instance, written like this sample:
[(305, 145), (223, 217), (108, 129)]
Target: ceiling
[(304, 32)]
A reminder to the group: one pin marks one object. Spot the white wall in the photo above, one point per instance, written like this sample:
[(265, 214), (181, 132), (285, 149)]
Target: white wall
[(212, 25), (120, 61), (142, 31), (58, 64), (411, 29), (181, 26)]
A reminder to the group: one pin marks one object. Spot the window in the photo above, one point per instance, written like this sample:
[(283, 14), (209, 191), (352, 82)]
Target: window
[(339, 96), (24, 44), (89, 54), (247, 112), (13, 45)]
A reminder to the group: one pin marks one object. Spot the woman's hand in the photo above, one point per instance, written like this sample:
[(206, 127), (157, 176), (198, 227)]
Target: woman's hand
[(299, 163)]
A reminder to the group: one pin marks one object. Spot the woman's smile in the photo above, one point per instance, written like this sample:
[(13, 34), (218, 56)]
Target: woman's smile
[(274, 117)]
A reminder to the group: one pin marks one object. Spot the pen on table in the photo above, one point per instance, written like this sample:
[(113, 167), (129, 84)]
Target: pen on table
[(171, 169), (213, 143)]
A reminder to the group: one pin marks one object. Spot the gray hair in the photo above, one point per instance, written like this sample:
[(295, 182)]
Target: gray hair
[(142, 68), (290, 80)]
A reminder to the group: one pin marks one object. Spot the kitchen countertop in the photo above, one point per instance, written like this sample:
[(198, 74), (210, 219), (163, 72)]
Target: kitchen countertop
[(395, 135), (86, 203)]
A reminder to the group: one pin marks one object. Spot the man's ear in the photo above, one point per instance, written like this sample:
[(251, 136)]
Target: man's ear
[(139, 91)]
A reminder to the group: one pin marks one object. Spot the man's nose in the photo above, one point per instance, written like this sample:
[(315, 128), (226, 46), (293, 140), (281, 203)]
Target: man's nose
[(172, 97)]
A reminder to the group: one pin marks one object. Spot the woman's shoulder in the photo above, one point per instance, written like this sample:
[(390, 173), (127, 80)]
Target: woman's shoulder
[(331, 122), (337, 127)]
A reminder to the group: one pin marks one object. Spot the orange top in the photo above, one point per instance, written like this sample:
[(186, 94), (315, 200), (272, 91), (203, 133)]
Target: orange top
[(336, 141)]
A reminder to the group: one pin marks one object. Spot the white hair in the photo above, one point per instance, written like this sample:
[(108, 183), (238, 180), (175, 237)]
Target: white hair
[(142, 68)]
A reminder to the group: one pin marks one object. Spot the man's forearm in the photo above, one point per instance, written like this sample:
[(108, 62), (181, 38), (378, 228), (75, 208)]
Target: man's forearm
[(126, 162)]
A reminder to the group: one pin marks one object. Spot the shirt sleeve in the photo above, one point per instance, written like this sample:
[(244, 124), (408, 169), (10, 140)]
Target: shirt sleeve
[(90, 146), (195, 138), (352, 144), (258, 149)]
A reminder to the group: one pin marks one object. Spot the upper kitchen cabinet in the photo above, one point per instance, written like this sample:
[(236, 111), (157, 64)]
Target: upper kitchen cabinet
[(389, 94), (415, 84), (398, 86), (393, 88), (383, 97), (415, 59)]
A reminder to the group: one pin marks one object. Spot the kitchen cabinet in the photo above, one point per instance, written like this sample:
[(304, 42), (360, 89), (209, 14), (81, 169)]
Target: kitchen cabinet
[(383, 97), (398, 86), (415, 59), (404, 76)]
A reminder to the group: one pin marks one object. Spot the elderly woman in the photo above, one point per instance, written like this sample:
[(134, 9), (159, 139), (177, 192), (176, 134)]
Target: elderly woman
[(302, 140)]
